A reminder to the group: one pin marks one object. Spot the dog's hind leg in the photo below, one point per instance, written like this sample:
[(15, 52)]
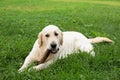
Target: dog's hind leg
[(85, 46)]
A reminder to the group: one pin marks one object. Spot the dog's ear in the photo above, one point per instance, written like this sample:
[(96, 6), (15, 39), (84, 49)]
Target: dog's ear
[(40, 41), (61, 41)]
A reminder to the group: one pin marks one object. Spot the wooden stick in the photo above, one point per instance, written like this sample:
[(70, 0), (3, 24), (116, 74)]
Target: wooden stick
[(47, 53)]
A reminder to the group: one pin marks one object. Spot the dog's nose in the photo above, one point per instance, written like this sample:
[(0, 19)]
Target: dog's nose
[(53, 45)]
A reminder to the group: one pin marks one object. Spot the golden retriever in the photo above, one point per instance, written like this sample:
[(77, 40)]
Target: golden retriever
[(60, 44)]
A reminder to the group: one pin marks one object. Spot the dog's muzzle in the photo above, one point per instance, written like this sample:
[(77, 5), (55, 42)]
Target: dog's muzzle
[(54, 48), (54, 51)]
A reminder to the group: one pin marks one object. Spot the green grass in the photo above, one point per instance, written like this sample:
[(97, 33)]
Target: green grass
[(22, 20)]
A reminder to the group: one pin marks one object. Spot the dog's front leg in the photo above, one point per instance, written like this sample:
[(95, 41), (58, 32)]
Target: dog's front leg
[(26, 63), (42, 66)]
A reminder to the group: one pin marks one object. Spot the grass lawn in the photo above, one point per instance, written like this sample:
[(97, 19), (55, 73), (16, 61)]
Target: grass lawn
[(22, 20)]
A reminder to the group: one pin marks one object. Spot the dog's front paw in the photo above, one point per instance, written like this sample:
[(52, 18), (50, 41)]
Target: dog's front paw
[(20, 70), (32, 69)]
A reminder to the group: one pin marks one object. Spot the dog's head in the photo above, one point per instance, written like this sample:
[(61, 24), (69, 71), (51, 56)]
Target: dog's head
[(51, 37)]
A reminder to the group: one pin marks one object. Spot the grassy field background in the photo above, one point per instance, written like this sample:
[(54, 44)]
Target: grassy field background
[(22, 20)]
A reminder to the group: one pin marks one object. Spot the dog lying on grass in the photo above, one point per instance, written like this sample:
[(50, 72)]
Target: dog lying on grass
[(53, 44)]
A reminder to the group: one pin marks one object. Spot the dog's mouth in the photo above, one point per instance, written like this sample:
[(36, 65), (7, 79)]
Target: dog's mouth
[(54, 51)]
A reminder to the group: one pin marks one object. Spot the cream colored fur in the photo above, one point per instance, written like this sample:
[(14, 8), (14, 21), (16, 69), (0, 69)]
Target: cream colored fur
[(67, 42)]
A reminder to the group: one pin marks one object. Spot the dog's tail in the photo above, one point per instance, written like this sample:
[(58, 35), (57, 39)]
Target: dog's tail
[(100, 39)]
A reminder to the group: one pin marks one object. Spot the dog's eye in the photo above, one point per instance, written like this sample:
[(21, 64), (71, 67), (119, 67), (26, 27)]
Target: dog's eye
[(47, 35), (56, 34)]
